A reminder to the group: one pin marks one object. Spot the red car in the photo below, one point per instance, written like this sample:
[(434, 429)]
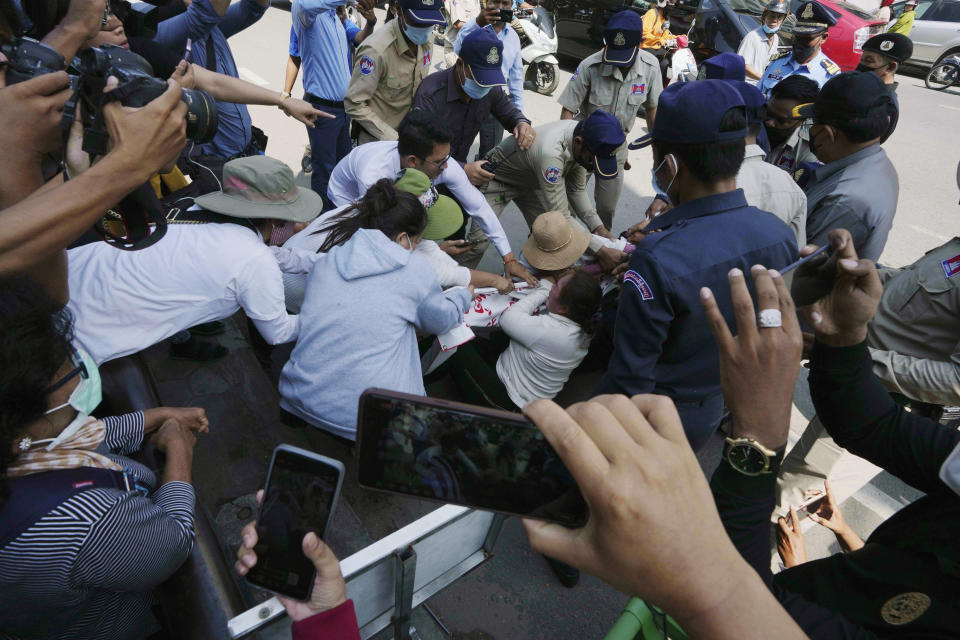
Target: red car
[(854, 27)]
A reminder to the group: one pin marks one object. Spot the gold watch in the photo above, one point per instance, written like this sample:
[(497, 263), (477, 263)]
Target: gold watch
[(751, 458)]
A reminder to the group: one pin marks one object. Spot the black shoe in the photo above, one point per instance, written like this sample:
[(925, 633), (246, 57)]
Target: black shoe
[(567, 575), (197, 351)]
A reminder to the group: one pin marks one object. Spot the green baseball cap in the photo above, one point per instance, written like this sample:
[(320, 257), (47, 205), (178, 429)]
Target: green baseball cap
[(444, 215), (261, 187)]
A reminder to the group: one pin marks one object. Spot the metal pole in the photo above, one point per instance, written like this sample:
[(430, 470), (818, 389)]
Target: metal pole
[(406, 570)]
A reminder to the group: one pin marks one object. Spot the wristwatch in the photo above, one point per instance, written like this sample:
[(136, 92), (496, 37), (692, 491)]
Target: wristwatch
[(751, 458)]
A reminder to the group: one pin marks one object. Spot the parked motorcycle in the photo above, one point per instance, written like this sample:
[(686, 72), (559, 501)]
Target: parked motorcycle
[(944, 74), (538, 48)]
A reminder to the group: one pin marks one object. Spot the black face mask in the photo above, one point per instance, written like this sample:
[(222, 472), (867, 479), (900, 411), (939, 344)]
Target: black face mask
[(778, 136), (802, 51), (863, 68)]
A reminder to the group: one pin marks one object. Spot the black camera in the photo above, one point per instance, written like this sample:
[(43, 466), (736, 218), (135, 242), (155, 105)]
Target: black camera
[(27, 58), (136, 88), (138, 18), (506, 16)]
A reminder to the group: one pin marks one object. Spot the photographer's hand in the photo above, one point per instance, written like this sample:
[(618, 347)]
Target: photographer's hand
[(634, 466), (82, 22), (184, 75), (149, 138), (31, 113)]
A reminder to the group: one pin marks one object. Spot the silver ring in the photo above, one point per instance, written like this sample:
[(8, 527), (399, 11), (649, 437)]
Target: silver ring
[(769, 318)]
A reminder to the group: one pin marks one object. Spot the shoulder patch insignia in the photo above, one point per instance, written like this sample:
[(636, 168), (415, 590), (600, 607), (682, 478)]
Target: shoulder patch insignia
[(782, 54), (639, 89), (426, 59), (830, 67), (904, 608), (551, 174), (637, 280), (951, 266), (366, 65)]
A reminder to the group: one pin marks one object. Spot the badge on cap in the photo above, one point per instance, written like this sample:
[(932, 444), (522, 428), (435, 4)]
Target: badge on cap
[(366, 65), (951, 267), (637, 280), (639, 89), (494, 56), (551, 174), (886, 45), (807, 12), (619, 40), (904, 608)]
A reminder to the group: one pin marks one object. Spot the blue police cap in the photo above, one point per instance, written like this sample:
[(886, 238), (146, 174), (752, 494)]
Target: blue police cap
[(482, 51), (603, 135), (424, 11), (622, 37), (691, 112), (813, 18), (752, 100), (725, 66)]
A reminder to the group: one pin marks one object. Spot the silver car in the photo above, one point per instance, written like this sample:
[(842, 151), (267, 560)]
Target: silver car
[(936, 30)]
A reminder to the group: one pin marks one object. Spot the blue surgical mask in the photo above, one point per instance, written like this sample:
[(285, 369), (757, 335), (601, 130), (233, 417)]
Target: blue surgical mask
[(770, 30), (88, 393), (661, 193), (474, 90), (419, 35)]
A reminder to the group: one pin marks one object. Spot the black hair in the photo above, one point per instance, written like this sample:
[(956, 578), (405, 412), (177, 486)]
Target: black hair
[(796, 87), (10, 22), (581, 296), (419, 132), (864, 129), (383, 207), (35, 336), (45, 15), (711, 163)]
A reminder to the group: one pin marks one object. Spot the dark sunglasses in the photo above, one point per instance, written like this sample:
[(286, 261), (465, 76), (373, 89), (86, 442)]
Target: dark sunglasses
[(79, 369)]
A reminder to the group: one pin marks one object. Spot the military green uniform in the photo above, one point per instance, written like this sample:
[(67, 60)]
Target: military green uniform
[(385, 79), (618, 91), (545, 177), (797, 150)]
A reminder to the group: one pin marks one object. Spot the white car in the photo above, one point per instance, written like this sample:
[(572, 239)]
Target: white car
[(936, 30)]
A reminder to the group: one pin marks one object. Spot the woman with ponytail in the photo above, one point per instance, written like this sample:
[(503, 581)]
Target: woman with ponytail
[(367, 294)]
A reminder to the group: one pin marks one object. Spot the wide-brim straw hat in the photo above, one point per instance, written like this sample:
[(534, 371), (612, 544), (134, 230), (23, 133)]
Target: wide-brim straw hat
[(554, 243)]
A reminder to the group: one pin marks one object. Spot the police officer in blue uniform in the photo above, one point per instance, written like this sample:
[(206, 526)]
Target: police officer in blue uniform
[(662, 342), (809, 34)]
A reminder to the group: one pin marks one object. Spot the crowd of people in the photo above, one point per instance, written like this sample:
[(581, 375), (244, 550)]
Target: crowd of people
[(768, 156)]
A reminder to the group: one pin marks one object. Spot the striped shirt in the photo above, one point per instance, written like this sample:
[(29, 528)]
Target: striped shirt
[(87, 568)]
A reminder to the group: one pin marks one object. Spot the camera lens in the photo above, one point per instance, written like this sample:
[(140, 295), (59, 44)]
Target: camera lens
[(202, 115)]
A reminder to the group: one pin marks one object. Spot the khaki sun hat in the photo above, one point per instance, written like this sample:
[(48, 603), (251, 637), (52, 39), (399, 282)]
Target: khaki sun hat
[(444, 215), (554, 244), (261, 187)]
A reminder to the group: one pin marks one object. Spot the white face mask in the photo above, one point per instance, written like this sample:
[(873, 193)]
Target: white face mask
[(88, 392), (950, 471), (656, 183), (69, 431)]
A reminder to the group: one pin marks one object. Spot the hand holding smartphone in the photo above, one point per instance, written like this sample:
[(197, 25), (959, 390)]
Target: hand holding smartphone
[(300, 493)]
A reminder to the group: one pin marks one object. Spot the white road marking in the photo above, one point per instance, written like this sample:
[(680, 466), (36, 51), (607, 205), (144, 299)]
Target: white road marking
[(250, 76), (948, 106), (932, 234)]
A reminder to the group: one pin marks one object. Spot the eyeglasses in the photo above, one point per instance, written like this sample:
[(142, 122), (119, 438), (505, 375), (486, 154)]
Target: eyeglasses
[(438, 165), (79, 369)]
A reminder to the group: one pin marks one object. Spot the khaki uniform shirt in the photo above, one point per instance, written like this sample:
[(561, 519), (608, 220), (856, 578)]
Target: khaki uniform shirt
[(549, 168), (914, 336), (617, 91), (769, 189), (385, 79), (795, 151)]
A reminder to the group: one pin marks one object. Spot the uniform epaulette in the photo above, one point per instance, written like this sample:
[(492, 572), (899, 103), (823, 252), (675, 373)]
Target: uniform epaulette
[(782, 54), (830, 66)]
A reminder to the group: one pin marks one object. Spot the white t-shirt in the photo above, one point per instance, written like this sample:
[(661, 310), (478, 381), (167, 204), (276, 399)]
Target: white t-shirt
[(126, 301), (756, 51)]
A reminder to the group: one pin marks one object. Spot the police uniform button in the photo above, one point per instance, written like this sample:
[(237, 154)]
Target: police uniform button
[(904, 608)]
